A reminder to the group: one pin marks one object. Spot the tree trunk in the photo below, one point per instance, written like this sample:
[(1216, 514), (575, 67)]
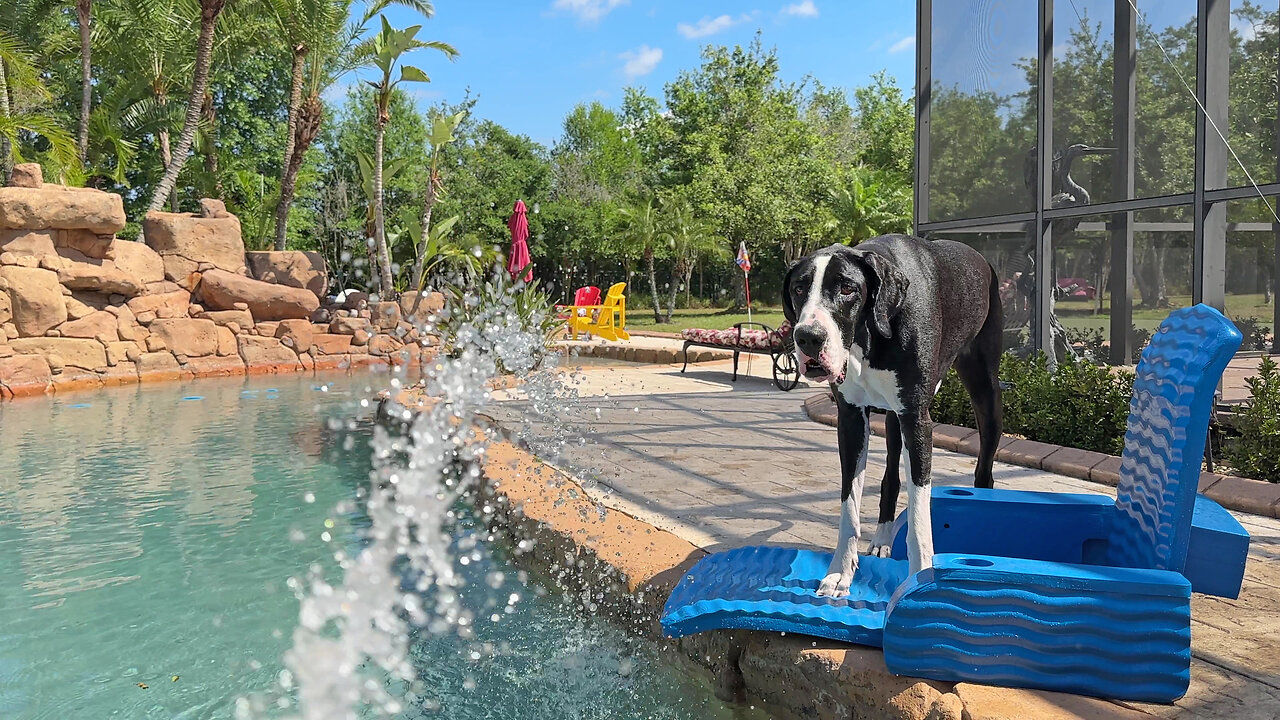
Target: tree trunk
[(653, 285), (83, 13), (379, 222), (307, 128), (419, 254), (166, 159), (209, 11), (290, 141), (676, 274), (211, 152), (6, 152)]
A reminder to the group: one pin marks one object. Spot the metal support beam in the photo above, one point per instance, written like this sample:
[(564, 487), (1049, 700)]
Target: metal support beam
[(1213, 53), (1124, 100), (924, 93), (1042, 337)]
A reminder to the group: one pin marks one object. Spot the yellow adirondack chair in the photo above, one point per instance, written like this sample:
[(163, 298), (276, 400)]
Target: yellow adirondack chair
[(608, 320)]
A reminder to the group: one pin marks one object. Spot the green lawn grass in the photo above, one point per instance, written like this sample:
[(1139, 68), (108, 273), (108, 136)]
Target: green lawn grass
[(1072, 313), (710, 318)]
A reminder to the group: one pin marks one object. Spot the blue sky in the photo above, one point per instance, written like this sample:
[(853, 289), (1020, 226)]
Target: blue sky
[(531, 61)]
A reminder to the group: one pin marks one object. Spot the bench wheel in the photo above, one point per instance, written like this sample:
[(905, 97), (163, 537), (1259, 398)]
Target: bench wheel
[(786, 372)]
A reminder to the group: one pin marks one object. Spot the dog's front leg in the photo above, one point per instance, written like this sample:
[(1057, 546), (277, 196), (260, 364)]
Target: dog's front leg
[(853, 430), (917, 446)]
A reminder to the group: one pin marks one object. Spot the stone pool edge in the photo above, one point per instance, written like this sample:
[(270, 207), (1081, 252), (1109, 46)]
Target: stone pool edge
[(1234, 493), (634, 566), (74, 380)]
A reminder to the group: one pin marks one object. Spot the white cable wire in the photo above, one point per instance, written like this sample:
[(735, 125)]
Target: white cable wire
[(1212, 124)]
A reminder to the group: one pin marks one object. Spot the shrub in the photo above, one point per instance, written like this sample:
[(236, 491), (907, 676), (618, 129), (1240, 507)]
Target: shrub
[(1256, 452), (1254, 332), (1081, 405)]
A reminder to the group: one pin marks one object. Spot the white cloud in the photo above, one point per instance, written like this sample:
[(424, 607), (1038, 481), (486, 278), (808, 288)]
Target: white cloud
[(902, 45), (588, 10), (710, 26), (801, 9), (640, 61)]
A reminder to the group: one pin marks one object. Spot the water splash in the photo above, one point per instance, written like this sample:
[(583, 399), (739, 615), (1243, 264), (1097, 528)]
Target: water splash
[(351, 649)]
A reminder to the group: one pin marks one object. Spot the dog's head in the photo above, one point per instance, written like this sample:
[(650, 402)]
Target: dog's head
[(832, 295)]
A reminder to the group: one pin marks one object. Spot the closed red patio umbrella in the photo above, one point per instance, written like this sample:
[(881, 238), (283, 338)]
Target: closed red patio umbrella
[(518, 258)]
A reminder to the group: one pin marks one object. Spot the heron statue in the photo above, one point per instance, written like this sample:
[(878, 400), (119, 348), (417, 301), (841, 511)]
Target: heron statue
[(1022, 267)]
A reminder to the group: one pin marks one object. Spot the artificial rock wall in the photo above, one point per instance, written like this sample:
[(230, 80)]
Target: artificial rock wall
[(80, 308)]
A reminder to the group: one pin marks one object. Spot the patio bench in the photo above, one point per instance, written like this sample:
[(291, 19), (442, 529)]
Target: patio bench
[(776, 343)]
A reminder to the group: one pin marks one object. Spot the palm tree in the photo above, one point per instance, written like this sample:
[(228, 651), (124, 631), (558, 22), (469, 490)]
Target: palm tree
[(324, 47), (690, 240), (385, 52), (20, 77), (640, 231), (209, 12), (84, 11), (441, 134)]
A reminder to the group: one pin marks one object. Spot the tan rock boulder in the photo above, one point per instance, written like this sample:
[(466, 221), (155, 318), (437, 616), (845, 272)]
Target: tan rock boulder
[(22, 375), (386, 315), (221, 290), (139, 260), (263, 354), (266, 328), (172, 301), (383, 345), (35, 297), (86, 243), (28, 175), (76, 352), (121, 351), (184, 241), (6, 309), (295, 268), (342, 325), (227, 342), (8, 258), (77, 308), (431, 303), (295, 334), (330, 344), (27, 243), (79, 272), (226, 317), (61, 208), (213, 208), (187, 336), (98, 325), (159, 365)]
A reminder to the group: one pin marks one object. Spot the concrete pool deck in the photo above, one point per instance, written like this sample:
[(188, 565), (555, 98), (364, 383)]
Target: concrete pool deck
[(718, 464)]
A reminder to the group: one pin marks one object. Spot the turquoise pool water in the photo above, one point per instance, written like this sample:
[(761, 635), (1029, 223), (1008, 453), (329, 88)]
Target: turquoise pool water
[(147, 536)]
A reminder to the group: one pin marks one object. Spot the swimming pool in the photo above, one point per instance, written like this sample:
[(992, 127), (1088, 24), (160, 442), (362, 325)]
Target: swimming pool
[(147, 540)]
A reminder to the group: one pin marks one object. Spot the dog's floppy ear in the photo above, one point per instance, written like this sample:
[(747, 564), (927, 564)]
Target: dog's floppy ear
[(788, 306), (891, 290)]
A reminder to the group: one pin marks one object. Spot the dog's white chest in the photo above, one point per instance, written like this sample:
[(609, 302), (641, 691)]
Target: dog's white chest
[(867, 386)]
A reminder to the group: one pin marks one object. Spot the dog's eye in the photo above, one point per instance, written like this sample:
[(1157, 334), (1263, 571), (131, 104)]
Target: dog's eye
[(798, 290), (848, 289)]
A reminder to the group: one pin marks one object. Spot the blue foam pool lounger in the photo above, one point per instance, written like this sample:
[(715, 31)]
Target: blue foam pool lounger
[(1055, 591), (774, 588)]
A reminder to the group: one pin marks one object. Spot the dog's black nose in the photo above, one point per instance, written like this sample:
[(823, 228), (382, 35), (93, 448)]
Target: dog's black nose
[(810, 339)]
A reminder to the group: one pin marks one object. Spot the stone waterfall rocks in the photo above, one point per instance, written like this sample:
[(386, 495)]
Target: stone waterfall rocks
[(35, 297), (221, 290), (294, 268), (185, 241), (61, 208)]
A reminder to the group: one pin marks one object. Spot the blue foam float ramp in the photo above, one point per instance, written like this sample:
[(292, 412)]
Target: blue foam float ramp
[(776, 588), (1056, 591)]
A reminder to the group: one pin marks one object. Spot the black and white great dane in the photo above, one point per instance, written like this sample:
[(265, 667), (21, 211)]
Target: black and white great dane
[(882, 322)]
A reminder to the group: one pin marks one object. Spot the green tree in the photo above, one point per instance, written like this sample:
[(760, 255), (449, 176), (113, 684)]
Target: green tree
[(641, 230), (385, 52), (209, 12), (690, 240), (440, 135)]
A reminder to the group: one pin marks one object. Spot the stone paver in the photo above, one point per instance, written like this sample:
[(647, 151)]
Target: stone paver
[(723, 464)]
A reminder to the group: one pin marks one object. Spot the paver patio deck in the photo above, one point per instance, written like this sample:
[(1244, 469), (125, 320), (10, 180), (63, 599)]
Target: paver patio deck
[(724, 464)]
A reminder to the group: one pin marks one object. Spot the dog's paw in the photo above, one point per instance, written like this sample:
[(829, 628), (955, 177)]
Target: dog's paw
[(835, 585), (882, 541)]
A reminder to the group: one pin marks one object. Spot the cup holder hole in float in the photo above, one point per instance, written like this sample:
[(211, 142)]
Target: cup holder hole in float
[(973, 562), (958, 491)]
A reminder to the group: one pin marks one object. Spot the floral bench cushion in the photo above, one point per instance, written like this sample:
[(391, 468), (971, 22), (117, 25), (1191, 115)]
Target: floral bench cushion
[(751, 339)]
